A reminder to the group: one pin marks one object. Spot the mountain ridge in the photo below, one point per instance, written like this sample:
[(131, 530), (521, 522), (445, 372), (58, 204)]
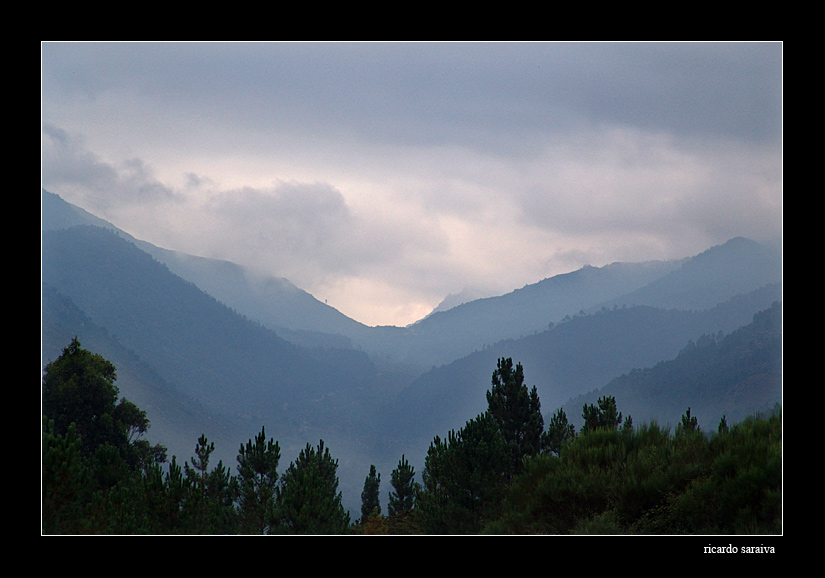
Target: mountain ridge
[(241, 374), (732, 376), (444, 336), (199, 344), (273, 301), (357, 389), (177, 419), (578, 355)]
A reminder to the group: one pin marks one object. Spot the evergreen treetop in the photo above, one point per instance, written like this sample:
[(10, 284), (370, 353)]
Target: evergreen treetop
[(517, 413), (370, 502)]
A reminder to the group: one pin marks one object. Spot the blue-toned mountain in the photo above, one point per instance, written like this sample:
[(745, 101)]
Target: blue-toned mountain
[(205, 342), (576, 356), (735, 376)]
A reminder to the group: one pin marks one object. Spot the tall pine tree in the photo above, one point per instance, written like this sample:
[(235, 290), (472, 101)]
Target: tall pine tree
[(465, 478), (517, 412), (213, 492), (404, 489), (370, 502), (308, 498), (559, 431), (257, 480)]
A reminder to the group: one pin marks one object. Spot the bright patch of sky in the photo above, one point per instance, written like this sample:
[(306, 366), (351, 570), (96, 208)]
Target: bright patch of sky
[(382, 177)]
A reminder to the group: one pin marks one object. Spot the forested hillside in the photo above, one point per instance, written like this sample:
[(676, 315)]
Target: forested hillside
[(572, 358), (176, 418), (209, 351), (272, 301), (198, 366), (230, 368), (503, 472), (732, 376)]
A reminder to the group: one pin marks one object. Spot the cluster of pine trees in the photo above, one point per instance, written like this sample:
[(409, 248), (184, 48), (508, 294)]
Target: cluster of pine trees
[(502, 473), (99, 477)]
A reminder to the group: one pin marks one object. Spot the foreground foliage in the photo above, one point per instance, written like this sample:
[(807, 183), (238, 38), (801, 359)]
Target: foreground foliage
[(502, 473), (106, 480), (647, 481)]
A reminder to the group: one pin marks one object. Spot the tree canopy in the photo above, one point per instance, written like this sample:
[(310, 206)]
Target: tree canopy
[(517, 414), (308, 498), (258, 480), (500, 473), (370, 500)]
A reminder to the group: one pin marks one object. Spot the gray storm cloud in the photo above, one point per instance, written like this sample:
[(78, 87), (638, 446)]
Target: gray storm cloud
[(69, 166), (387, 175), (308, 229)]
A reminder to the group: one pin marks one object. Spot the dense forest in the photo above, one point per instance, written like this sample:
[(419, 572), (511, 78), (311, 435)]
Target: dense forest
[(504, 472)]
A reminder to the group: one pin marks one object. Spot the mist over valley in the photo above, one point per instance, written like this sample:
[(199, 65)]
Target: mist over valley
[(207, 347)]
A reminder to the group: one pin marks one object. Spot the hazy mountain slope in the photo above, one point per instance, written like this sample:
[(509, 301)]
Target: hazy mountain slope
[(444, 336), (191, 339), (453, 300), (237, 370), (534, 306), (176, 420), (55, 214), (273, 301), (700, 282), (737, 376), (715, 275), (574, 357)]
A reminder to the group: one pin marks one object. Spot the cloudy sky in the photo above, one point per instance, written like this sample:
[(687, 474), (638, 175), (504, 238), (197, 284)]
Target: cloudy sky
[(381, 177)]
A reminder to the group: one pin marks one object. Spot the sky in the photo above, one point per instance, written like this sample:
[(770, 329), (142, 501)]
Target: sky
[(383, 176)]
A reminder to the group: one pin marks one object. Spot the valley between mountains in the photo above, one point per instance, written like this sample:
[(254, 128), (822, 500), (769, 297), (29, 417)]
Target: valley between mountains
[(207, 347)]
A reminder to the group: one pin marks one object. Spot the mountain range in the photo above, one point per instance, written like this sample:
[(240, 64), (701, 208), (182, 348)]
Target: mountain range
[(206, 346)]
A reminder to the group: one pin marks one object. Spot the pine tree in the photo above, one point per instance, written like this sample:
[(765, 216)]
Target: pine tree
[(604, 415), (559, 431), (154, 498), (405, 489), (213, 492), (198, 473), (465, 478), (307, 495), (177, 493), (370, 503), (517, 413), (257, 480), (723, 425), (627, 426), (223, 493), (687, 425)]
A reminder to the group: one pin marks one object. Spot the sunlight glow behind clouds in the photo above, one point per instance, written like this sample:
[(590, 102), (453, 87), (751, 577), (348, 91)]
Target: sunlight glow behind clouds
[(384, 176)]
